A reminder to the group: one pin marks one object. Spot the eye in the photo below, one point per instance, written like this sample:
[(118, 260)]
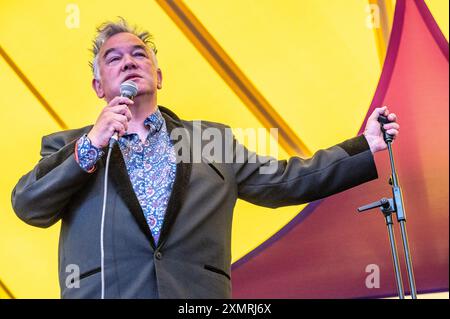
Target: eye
[(140, 54), (113, 59)]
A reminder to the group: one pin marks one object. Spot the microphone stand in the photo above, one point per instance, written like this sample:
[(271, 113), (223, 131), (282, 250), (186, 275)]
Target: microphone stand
[(395, 205)]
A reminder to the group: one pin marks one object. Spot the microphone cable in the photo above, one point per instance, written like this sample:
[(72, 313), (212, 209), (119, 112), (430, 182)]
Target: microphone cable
[(128, 89), (102, 227)]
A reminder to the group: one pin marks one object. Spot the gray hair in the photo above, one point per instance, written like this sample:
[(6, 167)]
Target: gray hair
[(106, 30)]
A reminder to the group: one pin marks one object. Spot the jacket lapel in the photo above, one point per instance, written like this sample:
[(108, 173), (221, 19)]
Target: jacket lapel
[(182, 176), (121, 180)]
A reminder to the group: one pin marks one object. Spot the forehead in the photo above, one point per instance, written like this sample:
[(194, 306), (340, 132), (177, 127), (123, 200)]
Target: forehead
[(121, 40)]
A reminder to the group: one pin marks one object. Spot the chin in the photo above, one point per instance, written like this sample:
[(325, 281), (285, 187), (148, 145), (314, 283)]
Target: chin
[(145, 90)]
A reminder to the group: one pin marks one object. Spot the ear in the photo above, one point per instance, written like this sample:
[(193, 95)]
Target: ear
[(97, 86), (159, 79)]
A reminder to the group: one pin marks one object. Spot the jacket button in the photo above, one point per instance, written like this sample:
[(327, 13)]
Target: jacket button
[(158, 255)]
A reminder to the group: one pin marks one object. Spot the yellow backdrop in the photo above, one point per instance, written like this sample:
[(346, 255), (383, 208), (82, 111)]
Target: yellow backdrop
[(314, 61)]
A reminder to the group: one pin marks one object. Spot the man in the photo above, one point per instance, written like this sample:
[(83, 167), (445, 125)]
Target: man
[(167, 229)]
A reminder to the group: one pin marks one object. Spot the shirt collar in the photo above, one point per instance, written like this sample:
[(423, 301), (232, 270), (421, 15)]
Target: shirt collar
[(154, 121)]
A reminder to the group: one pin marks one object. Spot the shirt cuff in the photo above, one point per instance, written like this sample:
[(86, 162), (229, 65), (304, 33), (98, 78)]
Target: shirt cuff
[(87, 154)]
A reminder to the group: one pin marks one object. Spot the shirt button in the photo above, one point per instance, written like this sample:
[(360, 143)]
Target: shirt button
[(158, 255)]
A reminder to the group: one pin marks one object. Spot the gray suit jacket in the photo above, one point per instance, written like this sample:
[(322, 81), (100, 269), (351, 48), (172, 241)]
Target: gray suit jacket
[(193, 256)]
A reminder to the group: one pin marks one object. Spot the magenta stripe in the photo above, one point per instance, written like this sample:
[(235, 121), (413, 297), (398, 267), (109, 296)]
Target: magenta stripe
[(433, 27)]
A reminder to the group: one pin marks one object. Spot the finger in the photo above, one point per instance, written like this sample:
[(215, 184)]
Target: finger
[(114, 127), (124, 110), (392, 132), (118, 119), (391, 126), (119, 128), (379, 111), (120, 100), (118, 109), (128, 114), (392, 117), (121, 119)]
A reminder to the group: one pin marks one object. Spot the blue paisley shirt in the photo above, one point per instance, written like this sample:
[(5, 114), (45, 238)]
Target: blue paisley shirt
[(151, 166)]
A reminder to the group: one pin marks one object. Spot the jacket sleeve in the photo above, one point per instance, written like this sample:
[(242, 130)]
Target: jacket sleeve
[(40, 196), (267, 182)]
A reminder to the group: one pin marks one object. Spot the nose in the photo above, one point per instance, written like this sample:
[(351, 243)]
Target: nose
[(129, 63)]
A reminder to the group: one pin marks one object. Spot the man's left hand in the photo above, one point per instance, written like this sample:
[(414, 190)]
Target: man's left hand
[(373, 133)]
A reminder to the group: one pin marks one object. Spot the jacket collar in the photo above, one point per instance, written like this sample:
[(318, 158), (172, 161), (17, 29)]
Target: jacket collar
[(121, 180)]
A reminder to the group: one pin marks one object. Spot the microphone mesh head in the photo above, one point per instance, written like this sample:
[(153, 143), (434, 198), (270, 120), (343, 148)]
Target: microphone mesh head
[(128, 89)]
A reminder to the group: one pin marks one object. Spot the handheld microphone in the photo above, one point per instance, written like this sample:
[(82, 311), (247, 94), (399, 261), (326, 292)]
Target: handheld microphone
[(388, 138), (129, 90)]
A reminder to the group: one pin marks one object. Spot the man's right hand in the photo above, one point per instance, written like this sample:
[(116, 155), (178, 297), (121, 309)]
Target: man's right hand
[(113, 118)]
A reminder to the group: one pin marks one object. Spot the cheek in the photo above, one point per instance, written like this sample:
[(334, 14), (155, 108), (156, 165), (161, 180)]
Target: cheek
[(110, 76), (110, 88), (148, 67)]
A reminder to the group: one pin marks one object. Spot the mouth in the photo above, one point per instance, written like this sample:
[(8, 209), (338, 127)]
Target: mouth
[(132, 77)]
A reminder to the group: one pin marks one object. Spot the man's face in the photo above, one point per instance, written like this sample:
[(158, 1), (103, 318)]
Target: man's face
[(125, 57)]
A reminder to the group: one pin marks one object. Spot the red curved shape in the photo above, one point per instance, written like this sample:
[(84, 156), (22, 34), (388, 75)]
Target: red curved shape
[(326, 254)]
